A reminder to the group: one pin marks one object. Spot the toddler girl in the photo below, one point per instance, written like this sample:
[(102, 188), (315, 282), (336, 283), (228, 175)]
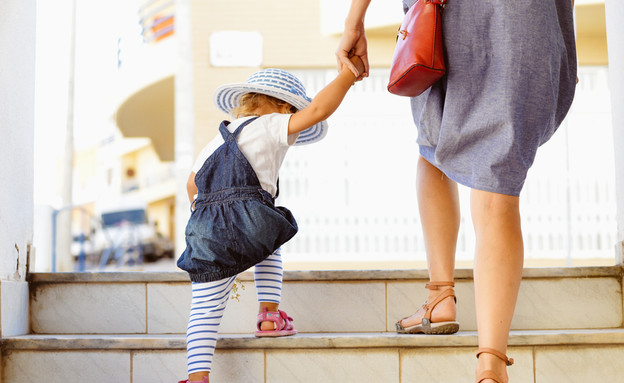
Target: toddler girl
[(232, 188)]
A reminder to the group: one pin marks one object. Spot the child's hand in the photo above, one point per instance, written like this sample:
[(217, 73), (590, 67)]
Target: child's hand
[(359, 65)]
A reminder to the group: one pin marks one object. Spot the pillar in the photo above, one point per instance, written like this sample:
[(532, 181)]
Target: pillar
[(184, 118), (614, 10), (17, 110)]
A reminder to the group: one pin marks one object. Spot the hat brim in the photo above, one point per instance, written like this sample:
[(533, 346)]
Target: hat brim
[(227, 97)]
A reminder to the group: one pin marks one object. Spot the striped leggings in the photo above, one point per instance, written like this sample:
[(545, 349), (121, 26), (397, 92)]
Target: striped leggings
[(208, 304)]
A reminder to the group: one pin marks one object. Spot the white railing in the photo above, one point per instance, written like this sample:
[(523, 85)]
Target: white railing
[(354, 193)]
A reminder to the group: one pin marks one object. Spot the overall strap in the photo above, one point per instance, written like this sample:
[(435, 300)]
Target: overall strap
[(225, 133), (240, 128)]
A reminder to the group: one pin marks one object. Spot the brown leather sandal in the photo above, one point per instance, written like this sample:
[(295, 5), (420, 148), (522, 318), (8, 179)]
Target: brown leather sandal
[(489, 374), (426, 326)]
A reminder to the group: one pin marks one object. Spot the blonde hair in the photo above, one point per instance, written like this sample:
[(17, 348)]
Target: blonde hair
[(250, 102)]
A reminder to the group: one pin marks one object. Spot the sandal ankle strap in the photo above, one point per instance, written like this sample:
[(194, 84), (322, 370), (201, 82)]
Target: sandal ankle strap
[(437, 285), (489, 374), (499, 355), (429, 306)]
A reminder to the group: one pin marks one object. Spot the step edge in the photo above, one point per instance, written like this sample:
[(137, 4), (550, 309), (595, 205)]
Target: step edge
[(316, 275), (309, 340)]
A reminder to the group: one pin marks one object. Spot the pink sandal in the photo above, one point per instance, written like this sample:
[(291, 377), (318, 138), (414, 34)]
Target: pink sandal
[(204, 380), (283, 323)]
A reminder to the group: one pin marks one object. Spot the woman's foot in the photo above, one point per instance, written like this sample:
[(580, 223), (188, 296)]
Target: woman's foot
[(492, 366), (443, 312)]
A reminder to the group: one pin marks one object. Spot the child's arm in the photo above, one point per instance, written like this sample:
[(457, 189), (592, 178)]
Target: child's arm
[(326, 101), (191, 188)]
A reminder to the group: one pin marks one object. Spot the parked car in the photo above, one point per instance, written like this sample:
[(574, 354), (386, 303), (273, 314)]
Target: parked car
[(125, 237)]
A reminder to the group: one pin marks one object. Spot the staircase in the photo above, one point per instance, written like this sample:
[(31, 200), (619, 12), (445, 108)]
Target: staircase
[(129, 328)]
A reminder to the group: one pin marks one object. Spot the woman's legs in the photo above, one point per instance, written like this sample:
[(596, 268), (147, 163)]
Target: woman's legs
[(438, 203), (268, 276), (207, 307), (497, 272)]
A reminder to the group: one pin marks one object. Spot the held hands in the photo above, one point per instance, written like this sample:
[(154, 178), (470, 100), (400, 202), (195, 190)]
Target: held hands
[(359, 66), (353, 44)]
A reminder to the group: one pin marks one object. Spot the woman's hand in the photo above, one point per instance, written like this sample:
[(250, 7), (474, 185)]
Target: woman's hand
[(353, 41)]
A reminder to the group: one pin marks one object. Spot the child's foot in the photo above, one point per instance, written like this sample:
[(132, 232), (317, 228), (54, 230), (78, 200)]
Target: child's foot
[(274, 324), (267, 326), (204, 380)]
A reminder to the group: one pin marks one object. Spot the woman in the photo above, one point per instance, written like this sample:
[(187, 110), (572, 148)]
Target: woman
[(511, 74)]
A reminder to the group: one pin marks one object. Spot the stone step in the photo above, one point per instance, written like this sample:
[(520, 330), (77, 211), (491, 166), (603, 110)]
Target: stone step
[(542, 356), (319, 301)]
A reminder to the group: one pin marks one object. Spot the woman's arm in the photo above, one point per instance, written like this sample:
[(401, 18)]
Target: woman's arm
[(326, 101), (353, 41)]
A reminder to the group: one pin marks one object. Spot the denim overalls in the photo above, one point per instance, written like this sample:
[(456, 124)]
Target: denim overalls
[(235, 223)]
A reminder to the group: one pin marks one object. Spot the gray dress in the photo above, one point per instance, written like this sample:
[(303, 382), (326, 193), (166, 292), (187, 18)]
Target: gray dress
[(511, 76)]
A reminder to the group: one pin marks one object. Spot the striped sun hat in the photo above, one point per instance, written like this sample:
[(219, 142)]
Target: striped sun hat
[(276, 83)]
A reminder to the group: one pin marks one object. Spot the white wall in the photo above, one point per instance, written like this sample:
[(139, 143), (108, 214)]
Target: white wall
[(614, 10), (17, 85)]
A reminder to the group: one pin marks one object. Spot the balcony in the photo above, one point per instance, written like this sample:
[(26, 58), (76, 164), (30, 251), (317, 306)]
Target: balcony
[(146, 78)]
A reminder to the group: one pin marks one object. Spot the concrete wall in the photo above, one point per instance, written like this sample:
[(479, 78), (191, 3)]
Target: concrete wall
[(292, 39), (615, 32), (17, 89)]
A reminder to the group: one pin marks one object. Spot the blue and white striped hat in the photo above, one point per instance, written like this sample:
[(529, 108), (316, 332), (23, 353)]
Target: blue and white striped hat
[(276, 83)]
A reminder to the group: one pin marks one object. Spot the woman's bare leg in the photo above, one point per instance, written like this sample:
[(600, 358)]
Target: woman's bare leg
[(497, 272), (438, 203)]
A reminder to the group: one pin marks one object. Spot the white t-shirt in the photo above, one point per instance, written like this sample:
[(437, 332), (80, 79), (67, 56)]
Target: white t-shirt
[(264, 142)]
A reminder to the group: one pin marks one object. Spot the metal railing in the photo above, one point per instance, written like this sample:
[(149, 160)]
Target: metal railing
[(82, 238)]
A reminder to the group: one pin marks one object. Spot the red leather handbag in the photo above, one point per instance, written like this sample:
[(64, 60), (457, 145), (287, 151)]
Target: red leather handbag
[(418, 60)]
